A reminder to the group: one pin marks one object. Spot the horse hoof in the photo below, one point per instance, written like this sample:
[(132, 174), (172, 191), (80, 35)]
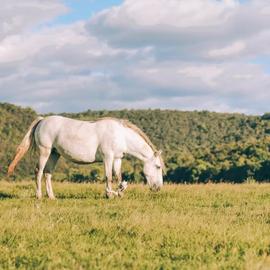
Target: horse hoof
[(109, 195)]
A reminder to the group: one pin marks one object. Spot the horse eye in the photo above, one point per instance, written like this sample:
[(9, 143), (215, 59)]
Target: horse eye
[(158, 167)]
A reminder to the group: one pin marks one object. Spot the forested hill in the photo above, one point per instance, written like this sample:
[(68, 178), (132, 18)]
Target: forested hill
[(197, 146)]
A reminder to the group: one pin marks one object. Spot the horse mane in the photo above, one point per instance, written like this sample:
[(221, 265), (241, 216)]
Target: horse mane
[(130, 125)]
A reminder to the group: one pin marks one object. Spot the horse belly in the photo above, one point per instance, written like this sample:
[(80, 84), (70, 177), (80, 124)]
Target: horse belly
[(77, 149)]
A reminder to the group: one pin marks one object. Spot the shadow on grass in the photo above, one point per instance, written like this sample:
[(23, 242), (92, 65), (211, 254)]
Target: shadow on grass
[(6, 196)]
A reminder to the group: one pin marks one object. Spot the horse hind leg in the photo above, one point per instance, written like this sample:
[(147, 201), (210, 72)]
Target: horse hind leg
[(43, 158), (48, 170)]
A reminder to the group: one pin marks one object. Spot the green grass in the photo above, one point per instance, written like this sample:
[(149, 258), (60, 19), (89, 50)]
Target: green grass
[(182, 227)]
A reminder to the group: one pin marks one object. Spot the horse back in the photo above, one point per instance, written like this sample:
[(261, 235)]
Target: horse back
[(78, 140)]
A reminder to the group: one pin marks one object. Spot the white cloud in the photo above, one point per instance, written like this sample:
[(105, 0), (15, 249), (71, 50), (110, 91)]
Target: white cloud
[(233, 49), (173, 13), (17, 16), (207, 74), (179, 54)]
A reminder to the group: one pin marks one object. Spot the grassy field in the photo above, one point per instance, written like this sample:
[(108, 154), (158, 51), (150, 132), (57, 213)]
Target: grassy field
[(182, 227)]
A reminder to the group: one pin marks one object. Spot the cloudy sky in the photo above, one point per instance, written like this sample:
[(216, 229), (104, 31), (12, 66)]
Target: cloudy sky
[(73, 55)]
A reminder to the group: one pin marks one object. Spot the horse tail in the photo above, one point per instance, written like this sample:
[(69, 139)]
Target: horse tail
[(24, 146)]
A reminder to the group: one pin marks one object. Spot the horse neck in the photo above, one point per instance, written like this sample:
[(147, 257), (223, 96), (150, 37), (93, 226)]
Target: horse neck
[(139, 148)]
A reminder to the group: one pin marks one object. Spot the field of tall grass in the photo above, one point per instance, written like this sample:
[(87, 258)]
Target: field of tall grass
[(182, 227)]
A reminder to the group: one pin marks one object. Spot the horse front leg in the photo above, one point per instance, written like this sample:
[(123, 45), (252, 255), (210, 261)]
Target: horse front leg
[(122, 185), (108, 170)]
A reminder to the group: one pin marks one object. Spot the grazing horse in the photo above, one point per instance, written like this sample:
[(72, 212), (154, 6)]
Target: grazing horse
[(78, 141)]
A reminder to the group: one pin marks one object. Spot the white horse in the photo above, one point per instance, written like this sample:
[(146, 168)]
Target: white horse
[(78, 141)]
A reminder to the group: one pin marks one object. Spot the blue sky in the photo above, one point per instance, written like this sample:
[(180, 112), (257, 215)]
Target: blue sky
[(84, 9), (65, 55), (263, 62)]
